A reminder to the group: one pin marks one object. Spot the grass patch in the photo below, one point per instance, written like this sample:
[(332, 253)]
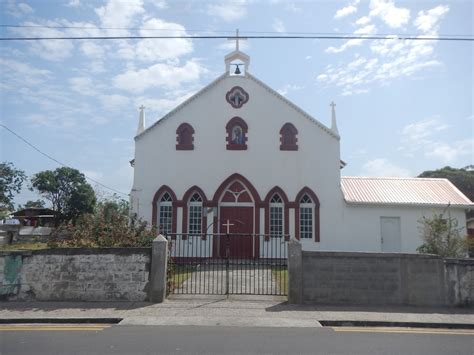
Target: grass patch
[(280, 275), (24, 246), (179, 275)]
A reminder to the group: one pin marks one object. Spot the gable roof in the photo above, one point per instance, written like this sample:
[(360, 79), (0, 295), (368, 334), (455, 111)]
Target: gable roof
[(402, 191), (254, 79)]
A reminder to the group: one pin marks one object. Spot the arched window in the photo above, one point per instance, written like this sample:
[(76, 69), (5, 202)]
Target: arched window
[(288, 139), (276, 223), (306, 217), (195, 215), (165, 214), (236, 134), (184, 137)]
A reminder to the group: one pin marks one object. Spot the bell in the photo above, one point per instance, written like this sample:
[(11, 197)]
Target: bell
[(237, 70)]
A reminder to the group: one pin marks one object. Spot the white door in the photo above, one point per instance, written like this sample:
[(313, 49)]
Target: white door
[(390, 234)]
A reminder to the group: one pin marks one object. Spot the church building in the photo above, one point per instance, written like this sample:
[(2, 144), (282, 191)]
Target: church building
[(239, 157)]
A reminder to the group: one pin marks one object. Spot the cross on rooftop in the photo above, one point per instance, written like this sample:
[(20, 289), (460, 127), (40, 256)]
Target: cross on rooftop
[(142, 108), (332, 104), (237, 38)]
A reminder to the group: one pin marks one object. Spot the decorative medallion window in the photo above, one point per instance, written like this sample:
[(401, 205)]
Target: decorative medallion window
[(184, 137), (236, 134), (237, 97), (165, 214), (288, 139)]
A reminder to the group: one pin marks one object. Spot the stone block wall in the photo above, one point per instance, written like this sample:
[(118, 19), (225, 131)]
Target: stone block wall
[(82, 274), (379, 279)]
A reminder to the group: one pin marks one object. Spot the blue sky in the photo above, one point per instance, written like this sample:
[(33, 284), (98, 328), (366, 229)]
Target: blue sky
[(402, 106)]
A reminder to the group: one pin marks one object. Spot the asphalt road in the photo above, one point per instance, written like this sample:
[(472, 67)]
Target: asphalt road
[(100, 339)]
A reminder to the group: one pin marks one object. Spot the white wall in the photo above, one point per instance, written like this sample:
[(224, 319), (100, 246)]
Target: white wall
[(315, 164), (363, 232)]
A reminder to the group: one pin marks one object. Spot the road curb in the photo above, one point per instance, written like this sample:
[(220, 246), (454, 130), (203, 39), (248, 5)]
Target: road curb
[(362, 323), (60, 320)]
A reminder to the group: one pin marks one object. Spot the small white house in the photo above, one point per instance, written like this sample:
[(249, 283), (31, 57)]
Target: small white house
[(239, 153)]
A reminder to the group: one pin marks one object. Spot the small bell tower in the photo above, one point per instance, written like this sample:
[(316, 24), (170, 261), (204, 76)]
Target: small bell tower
[(237, 62)]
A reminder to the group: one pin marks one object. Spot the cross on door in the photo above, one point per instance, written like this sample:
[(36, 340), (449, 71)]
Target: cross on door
[(228, 225)]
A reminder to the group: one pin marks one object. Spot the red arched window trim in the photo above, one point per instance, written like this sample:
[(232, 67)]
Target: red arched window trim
[(266, 205), (185, 137), (174, 205), (288, 139), (231, 145), (314, 197), (187, 195)]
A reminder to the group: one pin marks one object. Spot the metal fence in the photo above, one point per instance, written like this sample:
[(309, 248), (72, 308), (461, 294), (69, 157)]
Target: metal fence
[(223, 264)]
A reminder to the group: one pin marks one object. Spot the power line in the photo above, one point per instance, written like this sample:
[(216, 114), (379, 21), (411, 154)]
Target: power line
[(389, 37), (57, 161), (220, 31)]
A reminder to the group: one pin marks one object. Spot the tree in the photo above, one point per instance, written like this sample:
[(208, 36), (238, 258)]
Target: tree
[(462, 178), (68, 191), (11, 181), (32, 204), (442, 236)]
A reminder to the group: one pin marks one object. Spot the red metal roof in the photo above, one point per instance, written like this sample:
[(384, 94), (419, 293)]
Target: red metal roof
[(402, 191)]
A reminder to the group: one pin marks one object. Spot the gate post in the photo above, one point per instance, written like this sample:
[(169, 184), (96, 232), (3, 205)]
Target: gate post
[(295, 272), (159, 264)]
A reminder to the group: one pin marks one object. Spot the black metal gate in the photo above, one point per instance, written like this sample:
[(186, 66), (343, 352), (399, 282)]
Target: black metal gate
[(223, 264)]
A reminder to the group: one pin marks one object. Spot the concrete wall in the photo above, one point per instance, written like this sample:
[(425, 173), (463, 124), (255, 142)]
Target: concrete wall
[(82, 274), (379, 278)]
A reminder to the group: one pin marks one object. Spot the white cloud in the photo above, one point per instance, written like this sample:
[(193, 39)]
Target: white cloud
[(74, 3), (228, 11), (428, 21), (83, 85), (161, 74), (16, 74), (308, 57), (119, 13), (363, 31), (345, 11), (114, 102), (425, 136), (92, 49), (386, 10), (278, 25), (363, 21), (152, 50), (160, 4), (17, 9), (383, 167), (449, 153), (418, 132), (289, 87)]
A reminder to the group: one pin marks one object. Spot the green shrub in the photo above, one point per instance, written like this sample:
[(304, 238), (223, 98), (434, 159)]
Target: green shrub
[(442, 236), (103, 228)]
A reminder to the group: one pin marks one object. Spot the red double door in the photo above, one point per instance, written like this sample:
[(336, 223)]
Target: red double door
[(241, 240)]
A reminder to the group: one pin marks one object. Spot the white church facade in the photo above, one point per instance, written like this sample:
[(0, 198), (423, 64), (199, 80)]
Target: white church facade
[(239, 157)]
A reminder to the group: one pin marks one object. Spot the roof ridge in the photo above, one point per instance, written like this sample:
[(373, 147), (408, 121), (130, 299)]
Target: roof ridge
[(391, 178)]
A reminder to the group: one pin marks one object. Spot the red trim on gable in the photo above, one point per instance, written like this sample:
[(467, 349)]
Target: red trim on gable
[(314, 197)]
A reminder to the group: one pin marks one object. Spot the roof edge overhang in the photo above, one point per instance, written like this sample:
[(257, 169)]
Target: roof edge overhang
[(295, 107), (401, 204)]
